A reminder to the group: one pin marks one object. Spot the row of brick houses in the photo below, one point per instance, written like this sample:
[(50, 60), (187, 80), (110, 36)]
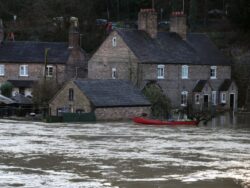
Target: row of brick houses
[(23, 63), (187, 66)]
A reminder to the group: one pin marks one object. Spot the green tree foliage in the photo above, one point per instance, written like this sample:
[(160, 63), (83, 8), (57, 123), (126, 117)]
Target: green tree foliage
[(6, 89), (161, 105)]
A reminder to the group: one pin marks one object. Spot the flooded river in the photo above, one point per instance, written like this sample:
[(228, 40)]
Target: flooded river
[(125, 155)]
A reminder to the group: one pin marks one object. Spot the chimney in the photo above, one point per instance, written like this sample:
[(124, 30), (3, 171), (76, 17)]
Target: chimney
[(178, 24), (1, 31), (74, 34), (147, 21)]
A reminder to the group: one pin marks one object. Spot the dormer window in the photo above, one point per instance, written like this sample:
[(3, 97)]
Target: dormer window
[(184, 72), (213, 72), (114, 42)]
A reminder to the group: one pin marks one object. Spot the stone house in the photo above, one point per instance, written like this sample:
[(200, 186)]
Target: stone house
[(108, 99), (177, 60), (24, 62)]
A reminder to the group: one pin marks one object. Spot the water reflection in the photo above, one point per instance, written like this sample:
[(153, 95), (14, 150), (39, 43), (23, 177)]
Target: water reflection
[(125, 155)]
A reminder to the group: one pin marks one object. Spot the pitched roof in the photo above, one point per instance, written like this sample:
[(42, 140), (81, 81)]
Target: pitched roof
[(22, 83), (206, 50), (21, 99), (33, 52), (225, 85), (200, 85), (112, 93), (170, 48), (6, 100), (166, 48)]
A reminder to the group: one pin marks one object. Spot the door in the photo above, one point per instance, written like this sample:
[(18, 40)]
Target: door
[(232, 101), (205, 101)]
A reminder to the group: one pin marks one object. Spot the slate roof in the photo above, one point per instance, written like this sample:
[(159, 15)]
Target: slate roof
[(170, 48), (166, 48), (206, 50), (225, 85), (199, 86), (33, 52), (6, 100), (112, 93), (20, 99), (22, 83)]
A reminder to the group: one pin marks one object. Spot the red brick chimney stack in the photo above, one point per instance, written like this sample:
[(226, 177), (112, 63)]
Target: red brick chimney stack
[(1, 31), (147, 21), (178, 24), (74, 34)]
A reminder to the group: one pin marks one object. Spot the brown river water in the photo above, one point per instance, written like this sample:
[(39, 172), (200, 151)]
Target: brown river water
[(125, 155)]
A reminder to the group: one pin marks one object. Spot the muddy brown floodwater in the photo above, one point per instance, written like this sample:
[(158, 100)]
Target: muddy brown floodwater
[(125, 155)]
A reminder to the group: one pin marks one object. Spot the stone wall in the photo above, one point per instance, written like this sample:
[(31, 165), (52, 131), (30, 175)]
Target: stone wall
[(61, 100), (109, 56), (120, 113)]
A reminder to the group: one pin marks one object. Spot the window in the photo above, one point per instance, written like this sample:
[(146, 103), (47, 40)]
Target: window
[(114, 42), (184, 72), (23, 71), (49, 71), (160, 71), (197, 98), (214, 97), (2, 70), (213, 72), (114, 74), (223, 98), (184, 97), (71, 94)]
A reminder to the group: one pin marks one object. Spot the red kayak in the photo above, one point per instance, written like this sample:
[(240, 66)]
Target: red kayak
[(146, 121)]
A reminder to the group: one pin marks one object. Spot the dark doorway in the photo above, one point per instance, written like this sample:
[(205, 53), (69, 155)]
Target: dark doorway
[(206, 101), (232, 101)]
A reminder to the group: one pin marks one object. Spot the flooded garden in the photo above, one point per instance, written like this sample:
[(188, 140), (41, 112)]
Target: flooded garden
[(126, 155)]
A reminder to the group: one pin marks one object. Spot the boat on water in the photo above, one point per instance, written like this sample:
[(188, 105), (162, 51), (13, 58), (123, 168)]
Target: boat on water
[(147, 121)]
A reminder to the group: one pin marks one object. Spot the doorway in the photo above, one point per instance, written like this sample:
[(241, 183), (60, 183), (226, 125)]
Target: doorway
[(205, 101), (232, 100)]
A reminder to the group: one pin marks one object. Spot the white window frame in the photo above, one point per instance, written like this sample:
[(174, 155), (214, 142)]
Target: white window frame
[(114, 41), (184, 102), (223, 98), (2, 70), (213, 72), (184, 71), (47, 72), (114, 73), (25, 71), (214, 97), (160, 71), (195, 98)]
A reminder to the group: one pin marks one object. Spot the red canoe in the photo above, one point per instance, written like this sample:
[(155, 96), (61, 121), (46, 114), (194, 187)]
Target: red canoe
[(146, 121)]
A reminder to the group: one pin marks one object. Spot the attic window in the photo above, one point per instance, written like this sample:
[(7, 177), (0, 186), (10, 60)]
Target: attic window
[(213, 72), (114, 42), (184, 72), (2, 70), (114, 74), (160, 71)]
